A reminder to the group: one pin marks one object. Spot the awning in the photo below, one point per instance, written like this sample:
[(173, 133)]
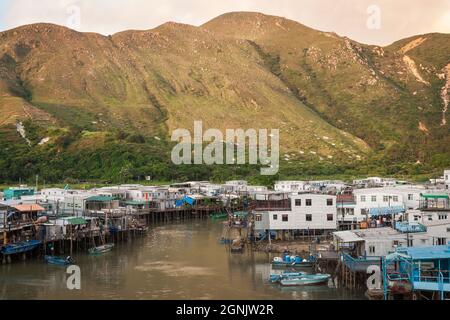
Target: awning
[(386, 211), (434, 196), (76, 221)]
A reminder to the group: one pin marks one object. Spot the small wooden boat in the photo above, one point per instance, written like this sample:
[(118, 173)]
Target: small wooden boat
[(237, 246), (20, 247), (218, 216), (59, 261), (102, 249), (276, 278), (306, 280)]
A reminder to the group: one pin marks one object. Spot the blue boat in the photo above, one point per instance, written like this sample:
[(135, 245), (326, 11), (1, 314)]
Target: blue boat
[(306, 280), (276, 278), (20, 247), (59, 261), (293, 261)]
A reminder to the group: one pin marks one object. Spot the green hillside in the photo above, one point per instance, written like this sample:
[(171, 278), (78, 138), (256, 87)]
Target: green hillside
[(97, 107)]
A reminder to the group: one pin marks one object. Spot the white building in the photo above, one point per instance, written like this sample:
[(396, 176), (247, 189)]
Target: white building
[(312, 212), (378, 242), (289, 186), (234, 186), (372, 182), (74, 204), (447, 179), (389, 199)]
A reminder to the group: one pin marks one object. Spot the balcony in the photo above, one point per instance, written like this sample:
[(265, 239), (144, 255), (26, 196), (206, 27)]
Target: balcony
[(433, 280), (434, 202)]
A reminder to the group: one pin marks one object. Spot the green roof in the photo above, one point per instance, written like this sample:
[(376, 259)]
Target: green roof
[(76, 221), (435, 196), (100, 199)]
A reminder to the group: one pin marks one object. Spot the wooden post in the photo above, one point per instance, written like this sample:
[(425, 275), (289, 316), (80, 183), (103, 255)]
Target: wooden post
[(71, 237), (5, 234)]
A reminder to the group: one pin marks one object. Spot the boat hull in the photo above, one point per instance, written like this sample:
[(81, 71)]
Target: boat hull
[(102, 249), (276, 278), (20, 247), (307, 280), (283, 264), (57, 261)]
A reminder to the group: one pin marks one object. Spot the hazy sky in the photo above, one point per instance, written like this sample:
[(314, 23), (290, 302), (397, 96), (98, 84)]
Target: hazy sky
[(368, 21)]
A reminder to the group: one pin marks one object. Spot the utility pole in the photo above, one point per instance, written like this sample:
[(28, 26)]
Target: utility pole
[(37, 181)]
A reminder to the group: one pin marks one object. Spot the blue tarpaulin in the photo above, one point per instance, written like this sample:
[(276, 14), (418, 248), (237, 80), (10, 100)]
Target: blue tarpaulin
[(179, 203), (386, 211), (185, 200)]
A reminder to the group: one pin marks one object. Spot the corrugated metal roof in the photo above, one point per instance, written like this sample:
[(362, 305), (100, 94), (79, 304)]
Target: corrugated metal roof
[(28, 207), (427, 253), (347, 236), (76, 221), (434, 196), (100, 199)]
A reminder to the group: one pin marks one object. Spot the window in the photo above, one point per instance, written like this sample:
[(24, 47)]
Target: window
[(330, 217), (442, 217), (430, 218), (308, 202), (395, 198), (258, 217), (410, 197), (285, 218), (363, 198), (329, 202), (372, 249), (441, 241), (416, 218), (275, 217), (298, 202), (374, 198), (385, 198), (309, 217)]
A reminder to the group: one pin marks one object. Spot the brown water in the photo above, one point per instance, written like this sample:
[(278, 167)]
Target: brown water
[(183, 261)]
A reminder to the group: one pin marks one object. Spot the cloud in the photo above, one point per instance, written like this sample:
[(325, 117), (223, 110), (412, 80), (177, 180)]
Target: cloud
[(399, 19)]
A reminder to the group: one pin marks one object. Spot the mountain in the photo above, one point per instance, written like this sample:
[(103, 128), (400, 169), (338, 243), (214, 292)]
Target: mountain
[(73, 99)]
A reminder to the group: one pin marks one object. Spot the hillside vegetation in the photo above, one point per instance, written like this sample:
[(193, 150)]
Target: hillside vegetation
[(103, 107)]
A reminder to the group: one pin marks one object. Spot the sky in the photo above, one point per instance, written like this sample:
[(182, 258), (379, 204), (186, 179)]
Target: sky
[(378, 22)]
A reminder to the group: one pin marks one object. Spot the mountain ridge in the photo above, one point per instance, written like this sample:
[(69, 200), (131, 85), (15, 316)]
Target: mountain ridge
[(335, 100)]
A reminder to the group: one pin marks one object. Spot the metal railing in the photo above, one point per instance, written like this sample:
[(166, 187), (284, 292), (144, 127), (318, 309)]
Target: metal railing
[(360, 263)]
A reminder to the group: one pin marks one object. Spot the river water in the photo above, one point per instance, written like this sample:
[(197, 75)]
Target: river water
[(180, 261)]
